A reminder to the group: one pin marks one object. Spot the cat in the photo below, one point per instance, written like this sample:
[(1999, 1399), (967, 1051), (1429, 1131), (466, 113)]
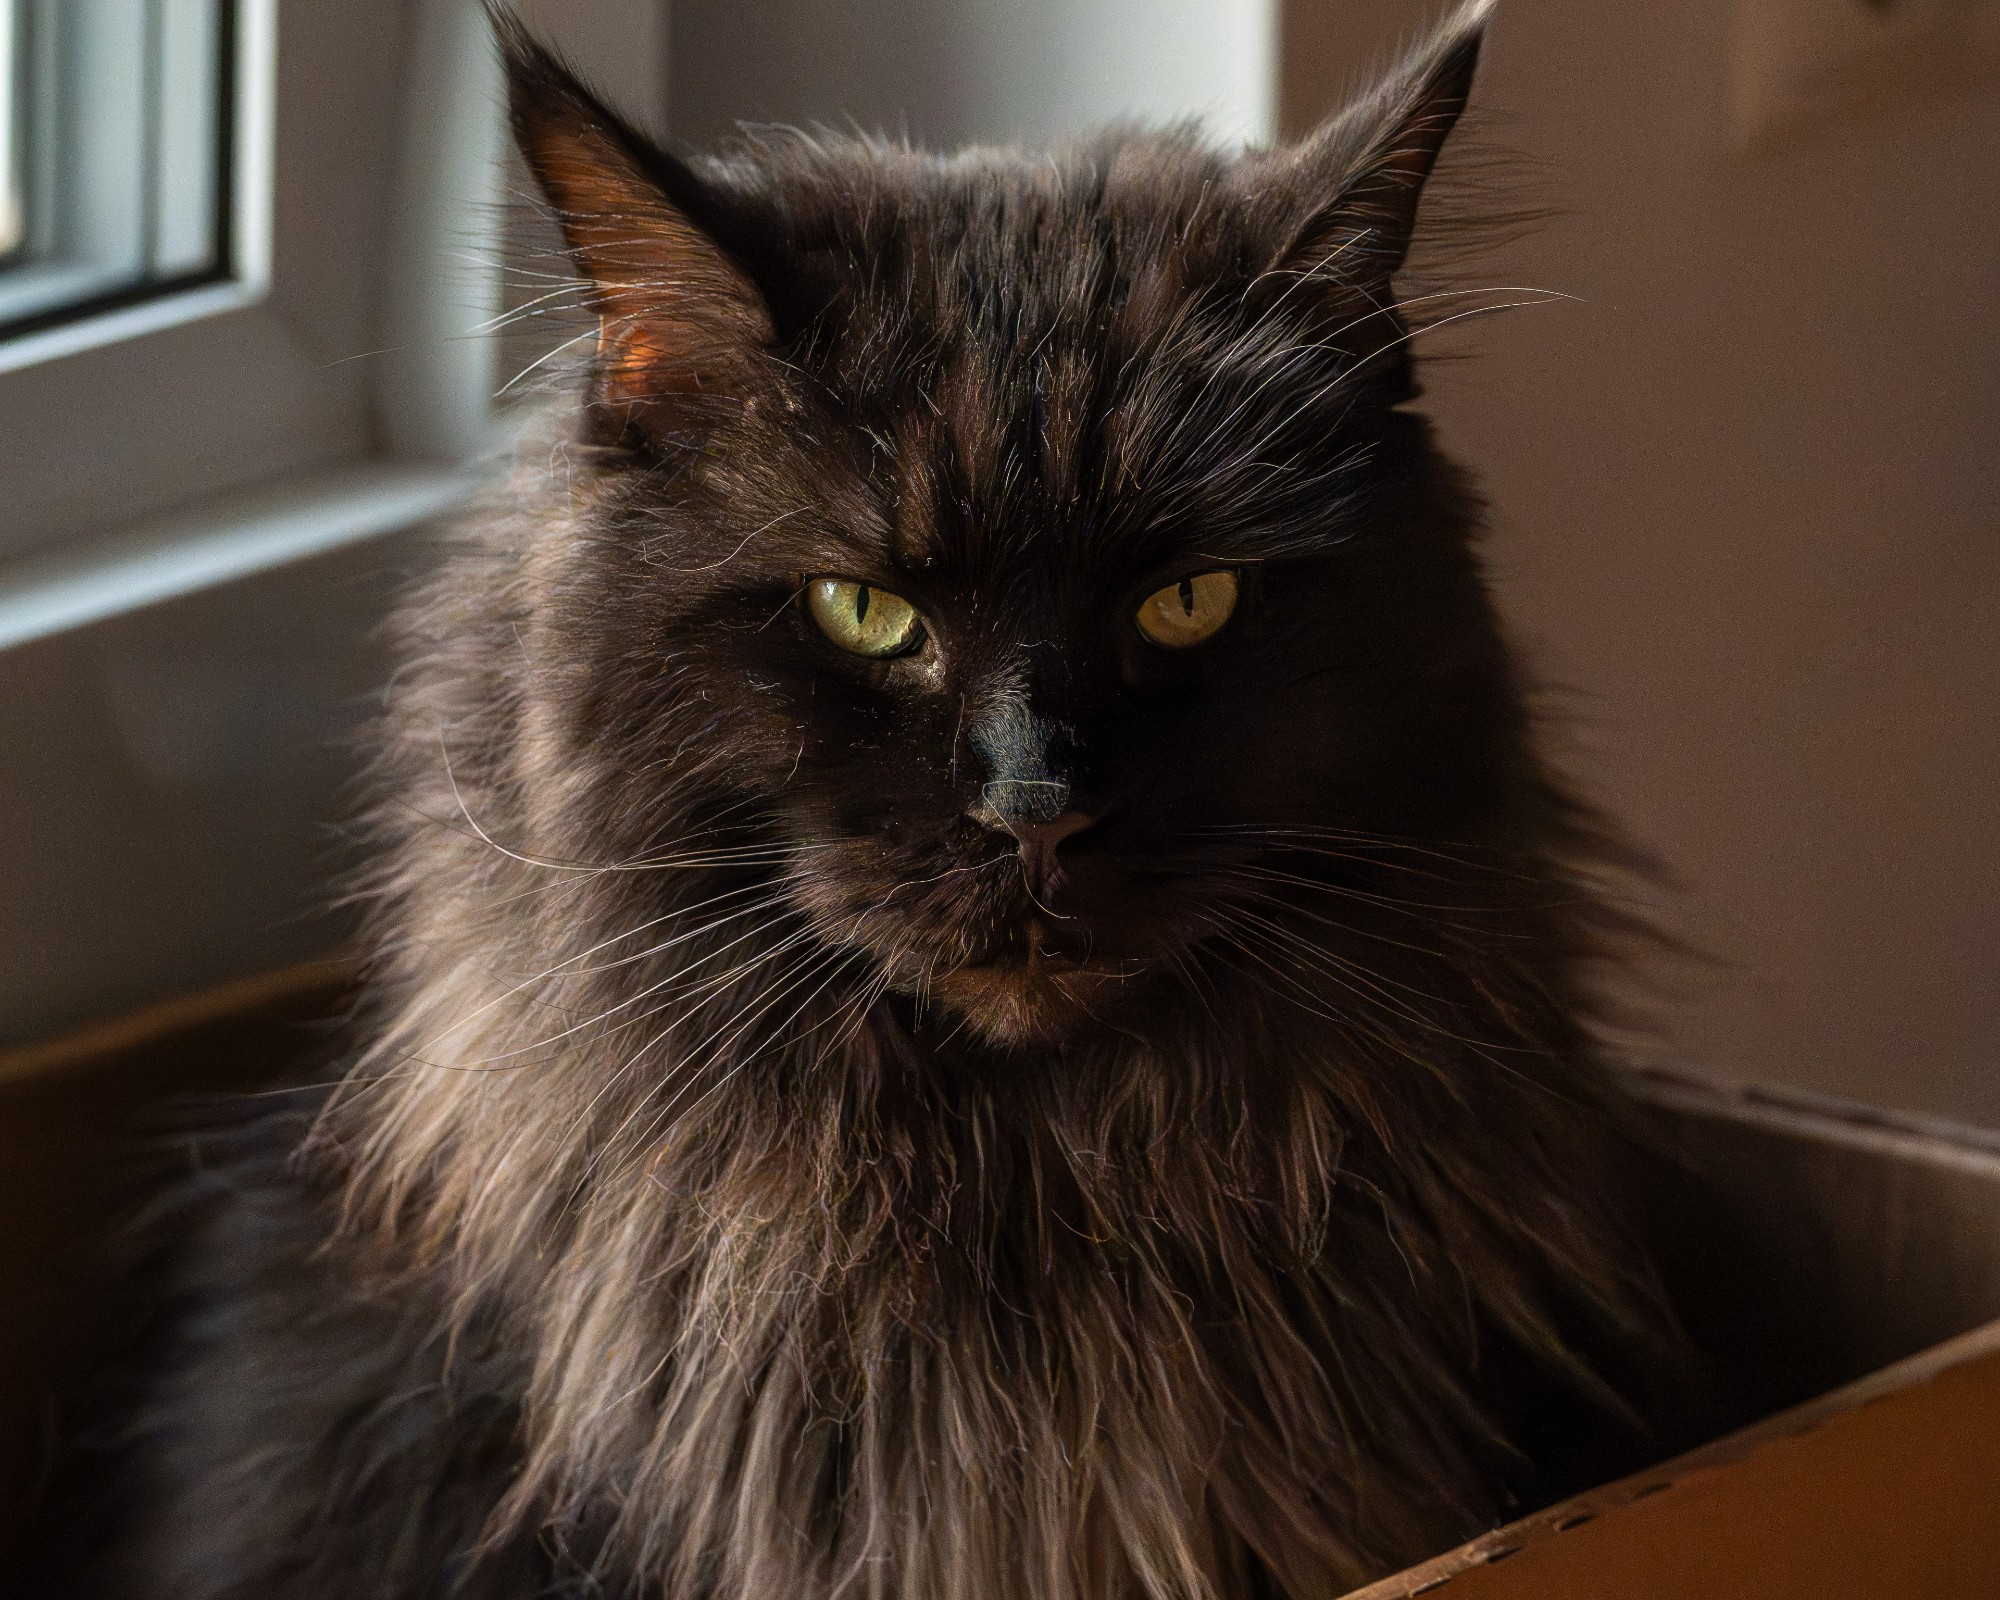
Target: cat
[(982, 993)]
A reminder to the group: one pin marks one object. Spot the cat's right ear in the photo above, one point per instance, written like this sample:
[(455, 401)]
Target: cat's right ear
[(1341, 206), (676, 316)]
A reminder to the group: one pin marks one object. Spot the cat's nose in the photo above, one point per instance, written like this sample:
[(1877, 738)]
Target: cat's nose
[(1039, 820), (1025, 800)]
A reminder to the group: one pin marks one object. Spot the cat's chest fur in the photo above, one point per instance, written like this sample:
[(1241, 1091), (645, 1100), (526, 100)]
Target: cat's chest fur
[(1098, 1371)]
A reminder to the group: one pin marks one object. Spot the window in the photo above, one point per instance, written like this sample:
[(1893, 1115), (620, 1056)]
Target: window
[(239, 319), (13, 139), (166, 769), (117, 129)]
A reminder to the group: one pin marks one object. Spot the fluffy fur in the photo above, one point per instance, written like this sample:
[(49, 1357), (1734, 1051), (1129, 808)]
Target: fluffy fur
[(759, 1186)]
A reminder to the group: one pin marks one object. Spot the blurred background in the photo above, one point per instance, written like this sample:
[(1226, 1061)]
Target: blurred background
[(1743, 480)]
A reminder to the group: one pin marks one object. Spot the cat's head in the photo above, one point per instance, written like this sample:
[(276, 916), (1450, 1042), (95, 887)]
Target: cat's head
[(1033, 545)]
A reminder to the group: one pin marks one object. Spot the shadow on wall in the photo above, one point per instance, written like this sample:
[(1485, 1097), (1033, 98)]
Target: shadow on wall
[(169, 786), (969, 71), (1744, 497)]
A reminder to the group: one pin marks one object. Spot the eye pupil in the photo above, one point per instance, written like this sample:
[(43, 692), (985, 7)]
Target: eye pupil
[(1188, 610), (861, 621)]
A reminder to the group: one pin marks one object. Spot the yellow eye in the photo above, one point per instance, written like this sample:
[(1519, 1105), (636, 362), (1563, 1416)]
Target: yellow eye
[(861, 619), (1190, 611)]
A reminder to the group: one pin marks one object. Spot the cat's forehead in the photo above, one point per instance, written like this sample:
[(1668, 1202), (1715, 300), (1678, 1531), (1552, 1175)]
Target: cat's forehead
[(900, 265), (993, 460), (995, 329), (1020, 220)]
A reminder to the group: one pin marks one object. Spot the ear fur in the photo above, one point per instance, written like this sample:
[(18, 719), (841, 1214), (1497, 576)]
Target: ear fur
[(676, 316), (1362, 174)]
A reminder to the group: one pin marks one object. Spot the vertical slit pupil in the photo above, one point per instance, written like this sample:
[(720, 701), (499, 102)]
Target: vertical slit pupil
[(1187, 595), (861, 602)]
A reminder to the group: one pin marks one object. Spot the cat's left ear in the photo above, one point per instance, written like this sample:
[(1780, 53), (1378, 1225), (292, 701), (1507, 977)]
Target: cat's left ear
[(1350, 191)]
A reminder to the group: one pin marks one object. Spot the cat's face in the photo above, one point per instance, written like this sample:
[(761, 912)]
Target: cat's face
[(1035, 550)]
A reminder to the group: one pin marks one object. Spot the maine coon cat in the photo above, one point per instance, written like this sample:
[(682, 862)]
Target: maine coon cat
[(982, 993)]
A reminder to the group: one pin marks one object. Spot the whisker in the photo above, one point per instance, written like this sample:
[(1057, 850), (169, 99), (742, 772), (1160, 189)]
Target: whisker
[(631, 1063), (602, 944), (666, 986)]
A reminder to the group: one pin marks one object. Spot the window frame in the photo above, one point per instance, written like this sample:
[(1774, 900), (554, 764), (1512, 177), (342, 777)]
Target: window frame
[(243, 274), (301, 401), (119, 118)]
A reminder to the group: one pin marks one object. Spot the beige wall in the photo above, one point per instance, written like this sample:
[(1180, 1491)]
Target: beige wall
[(1745, 508)]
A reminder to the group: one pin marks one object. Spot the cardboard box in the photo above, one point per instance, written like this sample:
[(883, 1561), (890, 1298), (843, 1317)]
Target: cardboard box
[(1880, 1239), (1874, 1239)]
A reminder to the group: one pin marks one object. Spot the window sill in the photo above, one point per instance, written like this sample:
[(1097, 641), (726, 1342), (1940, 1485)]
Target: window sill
[(228, 538), (168, 309)]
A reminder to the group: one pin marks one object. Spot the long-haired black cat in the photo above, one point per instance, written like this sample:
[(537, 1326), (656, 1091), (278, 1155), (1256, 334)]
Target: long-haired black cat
[(983, 994)]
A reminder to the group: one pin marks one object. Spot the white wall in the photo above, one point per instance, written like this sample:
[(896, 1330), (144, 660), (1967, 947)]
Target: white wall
[(959, 71), (170, 787)]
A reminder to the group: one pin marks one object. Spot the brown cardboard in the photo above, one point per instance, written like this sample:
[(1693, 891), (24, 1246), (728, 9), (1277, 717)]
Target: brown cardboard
[(71, 1113), (1887, 1490), (1886, 1487), (1875, 1240)]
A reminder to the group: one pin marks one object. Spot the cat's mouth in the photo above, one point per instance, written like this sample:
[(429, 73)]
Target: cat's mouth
[(1032, 997), (1050, 979), (975, 938)]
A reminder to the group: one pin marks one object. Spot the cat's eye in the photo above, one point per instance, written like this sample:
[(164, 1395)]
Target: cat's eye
[(1189, 611), (862, 619)]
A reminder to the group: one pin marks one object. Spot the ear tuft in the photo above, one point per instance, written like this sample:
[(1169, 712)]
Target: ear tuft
[(1362, 174), (676, 315)]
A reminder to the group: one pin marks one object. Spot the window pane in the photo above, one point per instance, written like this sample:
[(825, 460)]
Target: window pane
[(187, 157), (119, 151), (12, 221)]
